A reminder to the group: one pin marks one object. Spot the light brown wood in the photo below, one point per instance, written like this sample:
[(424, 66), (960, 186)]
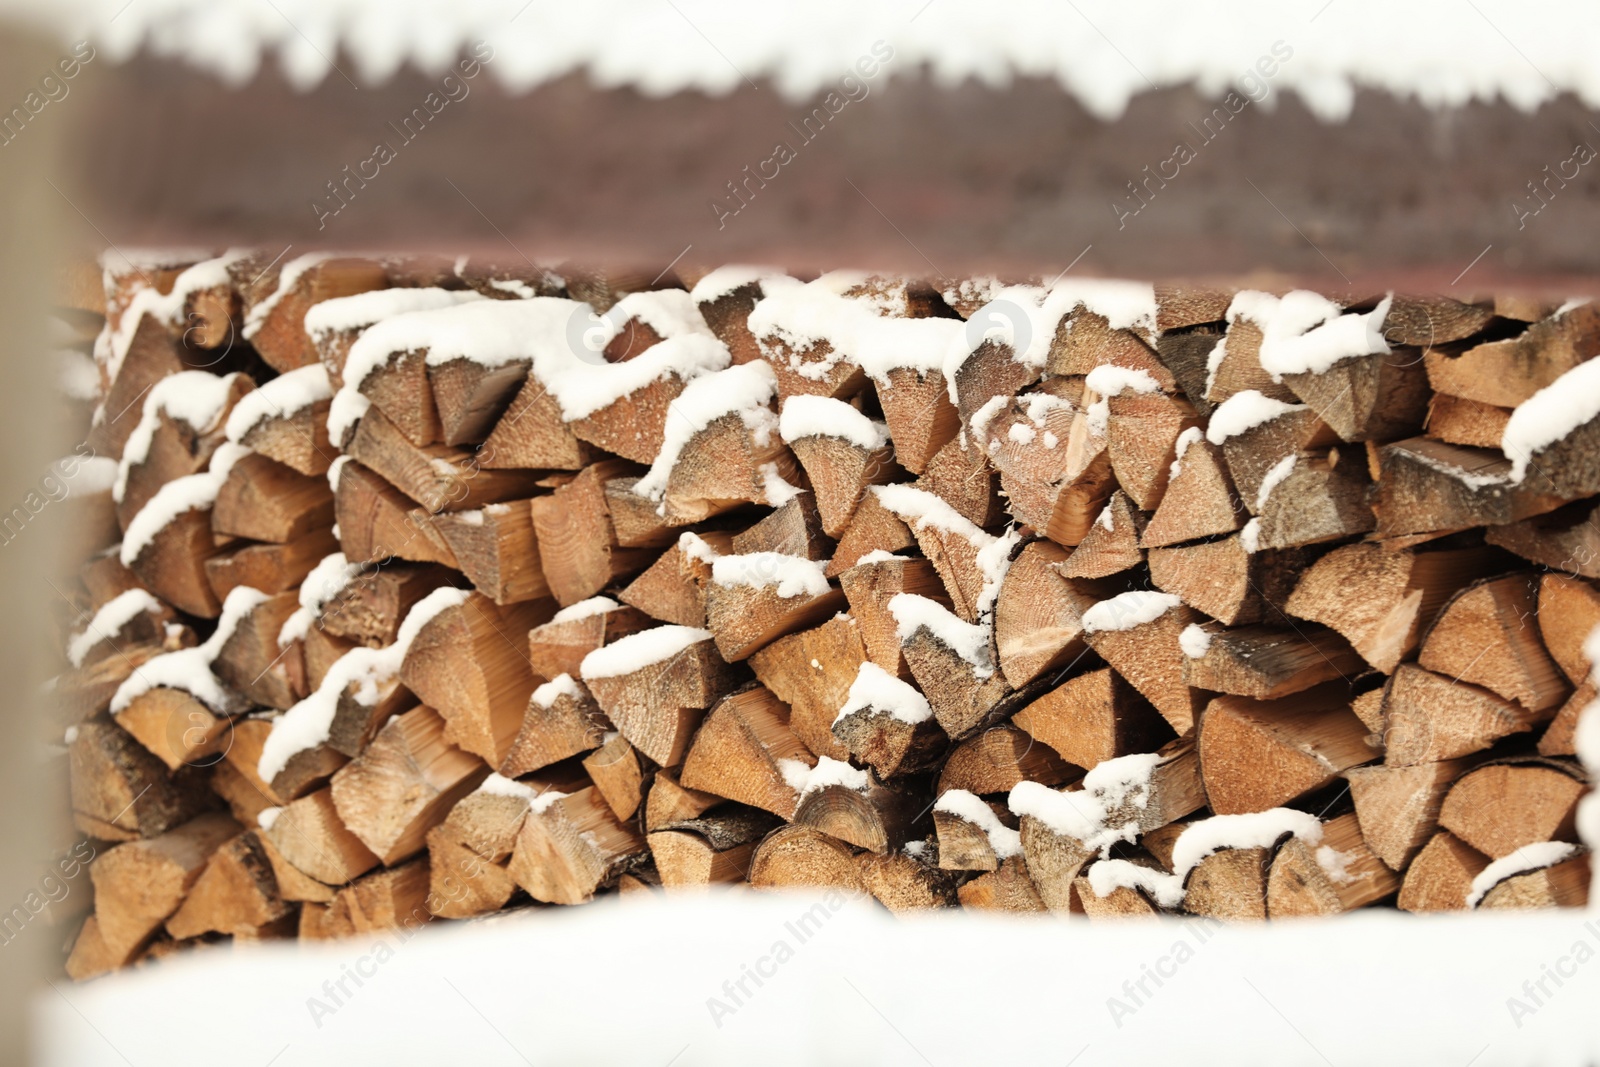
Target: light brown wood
[(237, 891), (1093, 717), (1398, 807), (745, 751), (812, 671), (1563, 885), (1229, 885), (1567, 539), (1266, 663), (377, 521), (870, 586), (801, 857), (558, 646), (1112, 544), (572, 846), (1440, 876), (1149, 656), (658, 707), (561, 720), (616, 771), (496, 549), (873, 528), (311, 837), (1510, 371), (1400, 593), (747, 618), (403, 784), (577, 545), (1429, 717), (1499, 808), (438, 477), (1377, 397), (1488, 635), (1339, 874), (138, 885), (469, 662), (120, 791), (1038, 616), (1459, 421), (1200, 500), (997, 759), (1261, 754)]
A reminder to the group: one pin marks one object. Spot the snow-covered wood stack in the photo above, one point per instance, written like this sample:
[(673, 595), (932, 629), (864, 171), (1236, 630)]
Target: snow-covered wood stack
[(425, 590)]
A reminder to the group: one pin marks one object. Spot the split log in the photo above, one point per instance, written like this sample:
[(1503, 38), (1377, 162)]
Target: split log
[(635, 519), (1145, 649), (1111, 545), (263, 500), (562, 720), (236, 891), (403, 784), (571, 845), (1007, 888), (251, 661), (656, 685), (1458, 421), (557, 647), (577, 545), (390, 899), (885, 723), (618, 774), (1187, 355), (870, 586), (1377, 397), (1261, 754), (371, 605), (469, 663), (903, 882), (1340, 874), (1382, 601), (752, 600), (960, 474), (745, 751), (1321, 498), (863, 812), (801, 857), (1038, 615), (496, 549), (1267, 663), (672, 588), (812, 671), (1426, 485), (791, 529), (1398, 807), (172, 563), (275, 322), (1440, 877), (1562, 885), (1567, 539), (1429, 717), (1487, 635), (1227, 581), (999, 758), (1229, 885), (1093, 717), (139, 885), (1568, 611), (669, 802), (1200, 499), (1508, 372), (311, 837), (1142, 431), (270, 568), (438, 477), (952, 663), (377, 521), (1501, 807), (708, 851), (873, 529), (120, 791)]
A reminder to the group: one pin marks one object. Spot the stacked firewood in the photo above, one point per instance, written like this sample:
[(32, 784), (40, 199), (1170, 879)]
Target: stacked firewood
[(423, 589)]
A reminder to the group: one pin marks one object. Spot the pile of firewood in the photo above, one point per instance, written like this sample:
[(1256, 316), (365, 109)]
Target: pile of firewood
[(419, 589)]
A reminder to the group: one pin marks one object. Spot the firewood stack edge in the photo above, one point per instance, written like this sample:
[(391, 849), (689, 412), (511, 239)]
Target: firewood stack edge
[(418, 590)]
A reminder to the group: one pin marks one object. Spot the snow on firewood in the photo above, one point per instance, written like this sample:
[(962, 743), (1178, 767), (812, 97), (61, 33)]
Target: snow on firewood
[(1550, 415), (306, 724), (968, 640), (1195, 640), (792, 575), (176, 497), (1127, 610), (1244, 411), (166, 308), (1306, 333), (828, 772), (745, 390), (595, 605), (1088, 814), (189, 669), (804, 314), (1005, 841), (1280, 470), (822, 416), (327, 580), (192, 397), (1109, 380), (112, 616), (288, 278), (875, 689), (363, 309), (562, 685), (724, 280), (639, 650), (285, 395), (1534, 856)]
